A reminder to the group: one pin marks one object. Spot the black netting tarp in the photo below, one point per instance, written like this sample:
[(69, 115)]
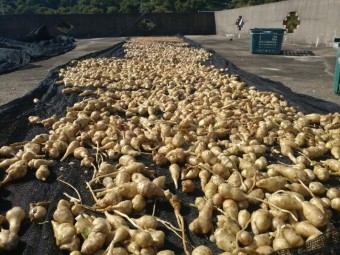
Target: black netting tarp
[(38, 239), (38, 45), (12, 59)]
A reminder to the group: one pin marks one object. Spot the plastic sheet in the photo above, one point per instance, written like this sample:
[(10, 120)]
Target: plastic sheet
[(11, 59), (19, 53)]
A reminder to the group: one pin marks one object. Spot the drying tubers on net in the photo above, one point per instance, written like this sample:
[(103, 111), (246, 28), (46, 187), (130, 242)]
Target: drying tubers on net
[(261, 165), (9, 239), (38, 211)]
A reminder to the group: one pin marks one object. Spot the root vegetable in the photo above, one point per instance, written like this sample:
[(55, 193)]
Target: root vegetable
[(63, 212), (7, 162), (306, 229), (143, 239), (202, 250), (147, 222), (332, 164), (244, 238), (6, 151), (148, 189), (70, 149), (106, 168), (221, 170), (115, 220), (293, 174), (272, 184), (8, 240), (249, 169), (160, 181), (42, 173), (96, 238), (125, 160), (292, 237), (133, 247), (225, 239), (277, 222), (127, 190), (260, 221), (158, 238), (188, 186), (66, 236), (224, 138), (321, 173), (36, 163), (259, 150), (118, 251), (176, 156), (175, 173), (121, 234), (335, 204), (37, 212), (227, 191), (280, 242), (32, 147), (313, 152), (202, 224), (209, 157), (87, 162), (335, 151), (16, 171), (217, 200), (333, 143), (80, 153), (138, 203), (333, 193), (265, 250), (123, 207), (14, 217), (244, 204), (284, 201), (83, 225), (298, 188), (313, 214), (243, 218), (287, 147), (261, 163), (165, 252), (133, 167), (255, 195), (231, 209), (317, 188), (261, 240), (122, 177)]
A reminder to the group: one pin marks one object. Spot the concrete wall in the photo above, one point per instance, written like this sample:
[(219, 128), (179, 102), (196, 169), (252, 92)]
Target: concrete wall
[(320, 20), (102, 25)]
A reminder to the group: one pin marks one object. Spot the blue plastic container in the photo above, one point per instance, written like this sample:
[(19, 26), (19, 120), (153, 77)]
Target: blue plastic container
[(266, 40)]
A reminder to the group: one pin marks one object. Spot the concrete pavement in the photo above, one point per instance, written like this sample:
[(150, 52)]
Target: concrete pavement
[(20, 82)]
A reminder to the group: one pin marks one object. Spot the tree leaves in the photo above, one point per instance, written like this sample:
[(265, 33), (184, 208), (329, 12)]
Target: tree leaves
[(122, 6)]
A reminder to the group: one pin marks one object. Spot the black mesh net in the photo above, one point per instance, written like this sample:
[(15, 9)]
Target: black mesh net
[(38, 239)]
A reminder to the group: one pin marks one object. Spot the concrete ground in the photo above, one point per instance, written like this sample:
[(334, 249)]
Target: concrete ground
[(20, 82), (305, 70)]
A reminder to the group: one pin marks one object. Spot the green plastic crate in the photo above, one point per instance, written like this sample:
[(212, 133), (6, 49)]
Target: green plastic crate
[(266, 40), (337, 69)]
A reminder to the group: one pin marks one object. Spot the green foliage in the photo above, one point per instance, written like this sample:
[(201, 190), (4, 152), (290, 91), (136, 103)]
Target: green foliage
[(122, 6), (147, 25)]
